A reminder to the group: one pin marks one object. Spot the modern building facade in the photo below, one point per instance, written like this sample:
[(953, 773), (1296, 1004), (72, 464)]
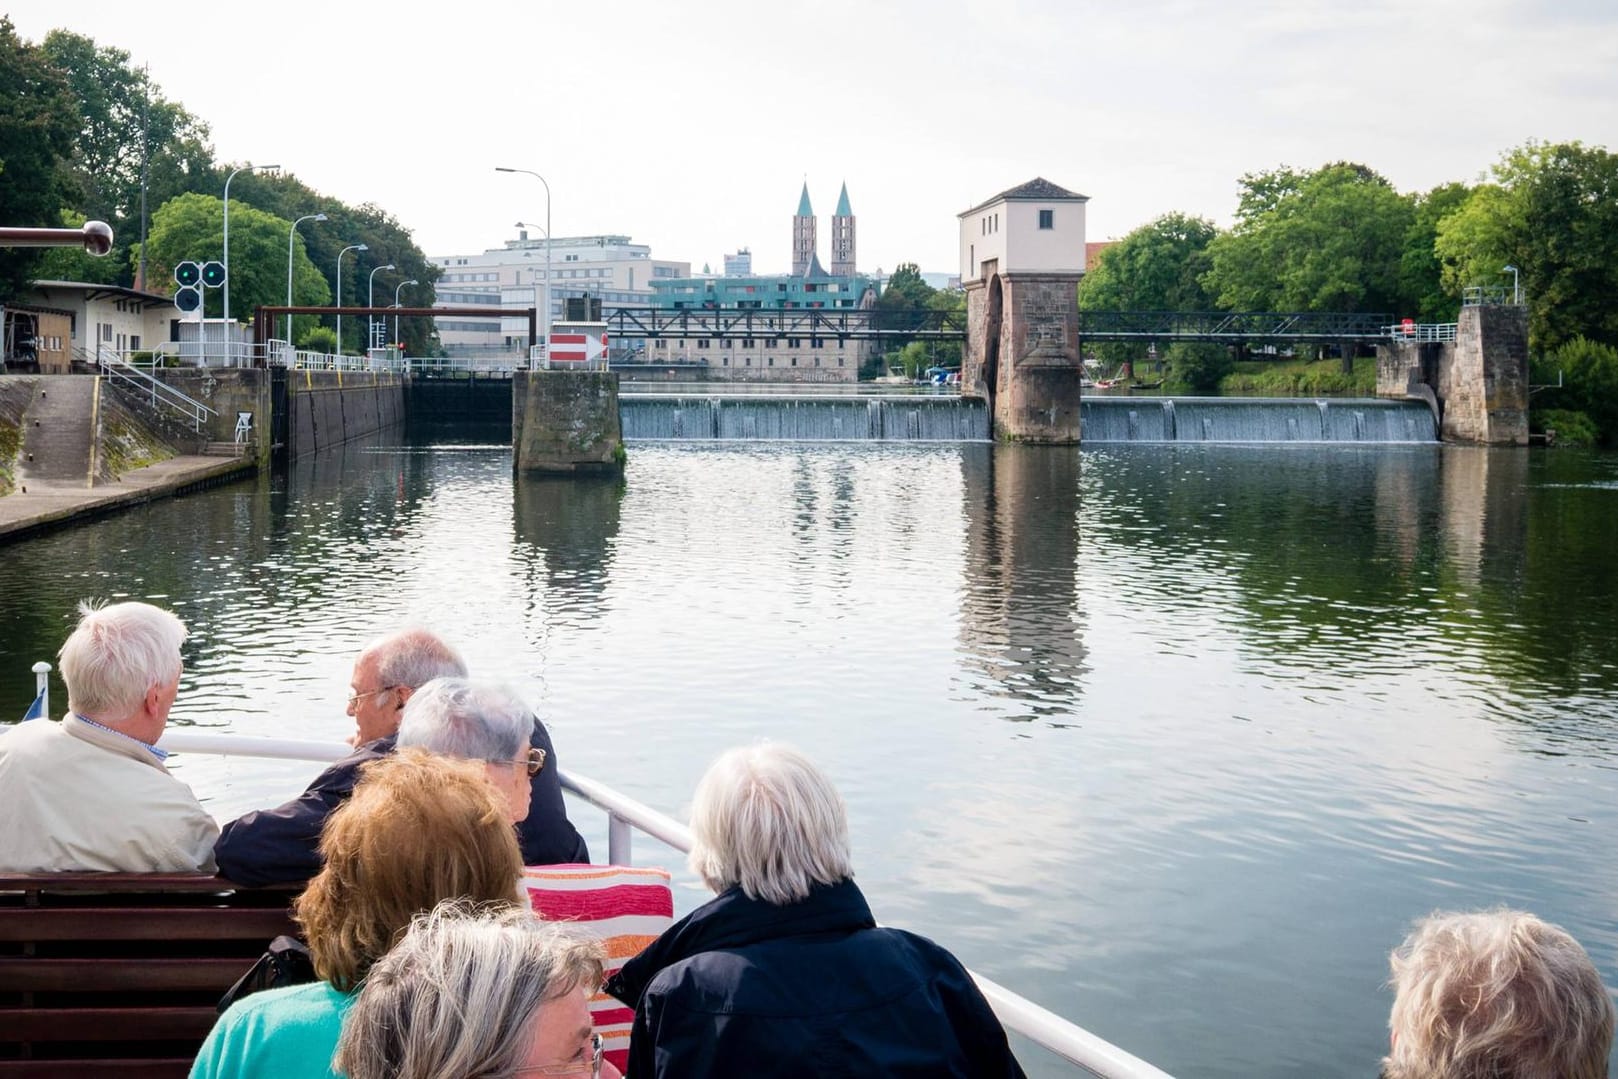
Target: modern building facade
[(776, 357), (609, 267)]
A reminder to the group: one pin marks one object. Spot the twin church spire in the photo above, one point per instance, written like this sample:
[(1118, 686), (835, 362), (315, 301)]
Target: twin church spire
[(805, 260)]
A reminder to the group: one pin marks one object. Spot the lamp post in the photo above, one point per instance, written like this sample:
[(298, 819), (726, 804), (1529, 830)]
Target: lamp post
[(291, 234), (1516, 295), (546, 329), (547, 232), (228, 179), (396, 289), (370, 301), (340, 254)]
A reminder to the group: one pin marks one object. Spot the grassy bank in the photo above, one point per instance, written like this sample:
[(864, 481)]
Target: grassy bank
[(1300, 378)]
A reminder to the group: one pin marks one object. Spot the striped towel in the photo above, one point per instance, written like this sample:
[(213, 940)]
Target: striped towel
[(624, 907)]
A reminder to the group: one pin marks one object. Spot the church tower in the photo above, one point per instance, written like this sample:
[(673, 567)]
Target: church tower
[(803, 235), (842, 237)]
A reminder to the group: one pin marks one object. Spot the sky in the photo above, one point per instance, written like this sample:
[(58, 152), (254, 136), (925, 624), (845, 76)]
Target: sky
[(692, 127)]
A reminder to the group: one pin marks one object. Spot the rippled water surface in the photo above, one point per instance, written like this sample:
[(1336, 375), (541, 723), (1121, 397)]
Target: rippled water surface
[(1174, 740)]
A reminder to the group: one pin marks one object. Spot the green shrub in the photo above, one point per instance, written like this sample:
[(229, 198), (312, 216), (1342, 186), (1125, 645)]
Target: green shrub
[(1196, 368), (1589, 385), (319, 339), (1572, 428)]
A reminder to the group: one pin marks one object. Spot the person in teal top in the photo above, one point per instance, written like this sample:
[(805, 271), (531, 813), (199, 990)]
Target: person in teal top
[(419, 829)]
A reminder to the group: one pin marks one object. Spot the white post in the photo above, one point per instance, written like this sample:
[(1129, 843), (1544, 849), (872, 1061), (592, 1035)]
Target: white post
[(42, 686)]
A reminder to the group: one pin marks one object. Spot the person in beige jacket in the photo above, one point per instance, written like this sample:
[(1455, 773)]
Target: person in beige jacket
[(92, 792)]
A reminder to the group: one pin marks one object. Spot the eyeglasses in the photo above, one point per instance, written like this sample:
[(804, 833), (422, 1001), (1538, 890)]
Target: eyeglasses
[(577, 1067), (533, 762), (357, 694)]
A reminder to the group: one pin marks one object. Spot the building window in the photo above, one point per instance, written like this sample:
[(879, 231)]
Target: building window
[(794, 361), (839, 361), (749, 362), (772, 361), (1045, 219)]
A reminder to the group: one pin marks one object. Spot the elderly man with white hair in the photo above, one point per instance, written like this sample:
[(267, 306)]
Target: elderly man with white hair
[(92, 792), (785, 972), (280, 845)]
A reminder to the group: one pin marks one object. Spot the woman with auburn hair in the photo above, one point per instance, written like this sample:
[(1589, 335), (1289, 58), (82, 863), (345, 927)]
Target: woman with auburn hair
[(785, 973), (1496, 994), (419, 829)]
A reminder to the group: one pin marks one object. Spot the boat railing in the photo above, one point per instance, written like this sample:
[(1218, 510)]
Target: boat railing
[(625, 815)]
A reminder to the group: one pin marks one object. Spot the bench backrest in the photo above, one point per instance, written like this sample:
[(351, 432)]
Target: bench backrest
[(120, 973)]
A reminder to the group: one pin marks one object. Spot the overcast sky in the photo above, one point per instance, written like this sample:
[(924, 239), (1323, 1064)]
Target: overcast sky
[(692, 126)]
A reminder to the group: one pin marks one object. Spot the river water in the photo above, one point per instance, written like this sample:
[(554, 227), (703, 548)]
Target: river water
[(1175, 740)]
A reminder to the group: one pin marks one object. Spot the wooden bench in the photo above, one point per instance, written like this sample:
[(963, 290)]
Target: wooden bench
[(119, 974)]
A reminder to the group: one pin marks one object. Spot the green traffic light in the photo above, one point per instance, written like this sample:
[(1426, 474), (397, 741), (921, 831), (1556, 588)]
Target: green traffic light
[(213, 274), (187, 273)]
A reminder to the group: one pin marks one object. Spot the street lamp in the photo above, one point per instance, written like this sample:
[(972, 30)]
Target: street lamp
[(547, 232), (340, 254), (370, 301), (396, 289), (228, 179), (291, 233), (1516, 296), (547, 312)]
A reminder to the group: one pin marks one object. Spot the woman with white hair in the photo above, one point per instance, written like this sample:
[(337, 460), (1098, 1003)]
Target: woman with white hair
[(1496, 994), (785, 972), (465, 995)]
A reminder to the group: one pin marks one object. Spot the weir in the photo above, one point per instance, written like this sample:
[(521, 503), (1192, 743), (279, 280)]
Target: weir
[(803, 418), (1248, 419)]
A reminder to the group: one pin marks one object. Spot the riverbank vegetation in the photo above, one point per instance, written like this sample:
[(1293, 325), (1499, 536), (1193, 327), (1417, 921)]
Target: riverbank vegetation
[(73, 117)]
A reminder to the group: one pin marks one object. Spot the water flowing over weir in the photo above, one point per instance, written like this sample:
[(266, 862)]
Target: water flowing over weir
[(1255, 419), (804, 418), (915, 418)]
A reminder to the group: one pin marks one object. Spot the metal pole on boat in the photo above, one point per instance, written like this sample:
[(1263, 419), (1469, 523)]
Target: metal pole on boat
[(42, 686)]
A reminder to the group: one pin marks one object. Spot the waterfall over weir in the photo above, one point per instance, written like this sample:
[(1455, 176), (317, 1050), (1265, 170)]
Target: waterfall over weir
[(1255, 419), (804, 418)]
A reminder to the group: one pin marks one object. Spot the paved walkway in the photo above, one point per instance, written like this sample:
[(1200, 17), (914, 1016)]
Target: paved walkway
[(47, 505)]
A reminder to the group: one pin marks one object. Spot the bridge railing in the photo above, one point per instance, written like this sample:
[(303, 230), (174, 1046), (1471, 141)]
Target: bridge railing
[(625, 816), (1422, 332), (1233, 326)]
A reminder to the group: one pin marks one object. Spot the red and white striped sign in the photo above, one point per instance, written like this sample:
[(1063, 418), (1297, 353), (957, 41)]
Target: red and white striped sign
[(578, 343)]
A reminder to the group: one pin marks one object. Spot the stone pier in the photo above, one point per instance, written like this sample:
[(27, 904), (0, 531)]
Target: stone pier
[(1477, 384), (565, 423)]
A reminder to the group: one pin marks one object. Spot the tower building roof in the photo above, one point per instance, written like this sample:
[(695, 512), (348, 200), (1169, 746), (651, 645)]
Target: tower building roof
[(842, 203), (1038, 189), (804, 209)]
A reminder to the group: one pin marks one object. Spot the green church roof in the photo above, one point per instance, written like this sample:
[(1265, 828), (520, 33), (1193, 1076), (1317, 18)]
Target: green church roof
[(842, 203), (804, 209)]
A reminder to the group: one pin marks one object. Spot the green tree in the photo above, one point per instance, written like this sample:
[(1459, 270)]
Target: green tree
[(1589, 384), (1330, 240), (122, 117), (37, 121), (1157, 267), (192, 227), (1197, 367), (1552, 212), (1421, 287)]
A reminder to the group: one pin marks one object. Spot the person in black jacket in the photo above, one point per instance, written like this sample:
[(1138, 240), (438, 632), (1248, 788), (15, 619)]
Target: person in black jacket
[(785, 973), (281, 845)]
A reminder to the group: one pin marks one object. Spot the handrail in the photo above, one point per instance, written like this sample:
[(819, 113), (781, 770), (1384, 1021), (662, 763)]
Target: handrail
[(114, 366), (1045, 1028)]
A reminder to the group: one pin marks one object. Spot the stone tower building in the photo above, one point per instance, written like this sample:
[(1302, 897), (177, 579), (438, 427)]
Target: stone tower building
[(842, 237), (803, 235)]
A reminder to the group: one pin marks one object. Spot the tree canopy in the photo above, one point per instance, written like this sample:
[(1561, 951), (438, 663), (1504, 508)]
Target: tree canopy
[(37, 122), (1158, 267)]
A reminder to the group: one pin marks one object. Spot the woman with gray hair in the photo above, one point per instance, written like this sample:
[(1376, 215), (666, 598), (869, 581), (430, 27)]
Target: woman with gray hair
[(1497, 994), (477, 721), (470, 996), (785, 972)]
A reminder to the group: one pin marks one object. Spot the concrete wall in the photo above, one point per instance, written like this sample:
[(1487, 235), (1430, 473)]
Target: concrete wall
[(329, 408), (1033, 392), (1478, 383), (227, 391), (566, 423)]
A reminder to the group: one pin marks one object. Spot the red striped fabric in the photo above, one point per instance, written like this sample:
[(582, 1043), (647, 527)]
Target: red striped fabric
[(600, 903)]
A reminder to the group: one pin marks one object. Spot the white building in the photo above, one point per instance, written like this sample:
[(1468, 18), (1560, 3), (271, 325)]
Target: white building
[(608, 268), (1037, 227)]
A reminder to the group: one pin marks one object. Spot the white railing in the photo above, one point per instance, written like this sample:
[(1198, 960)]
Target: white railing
[(439, 365), (158, 392), (625, 815), (1419, 332)]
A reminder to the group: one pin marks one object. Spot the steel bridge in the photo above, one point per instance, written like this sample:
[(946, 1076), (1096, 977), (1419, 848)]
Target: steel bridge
[(1226, 327)]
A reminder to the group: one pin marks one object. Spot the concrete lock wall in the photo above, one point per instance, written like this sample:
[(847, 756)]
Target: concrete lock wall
[(328, 408), (566, 423), (228, 391), (1478, 383)]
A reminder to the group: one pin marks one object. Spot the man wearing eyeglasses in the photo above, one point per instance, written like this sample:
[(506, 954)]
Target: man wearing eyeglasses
[(273, 846)]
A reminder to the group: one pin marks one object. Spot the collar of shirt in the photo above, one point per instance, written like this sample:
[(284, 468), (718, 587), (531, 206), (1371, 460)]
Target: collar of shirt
[(161, 754)]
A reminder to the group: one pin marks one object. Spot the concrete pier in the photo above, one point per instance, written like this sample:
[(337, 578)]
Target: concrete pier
[(1477, 384), (565, 423)]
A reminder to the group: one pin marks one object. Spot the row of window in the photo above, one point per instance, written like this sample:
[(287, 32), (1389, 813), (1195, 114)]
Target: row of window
[(769, 361), (751, 342)]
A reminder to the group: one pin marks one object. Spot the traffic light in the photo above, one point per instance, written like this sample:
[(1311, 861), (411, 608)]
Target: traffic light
[(213, 274), (187, 273), (189, 298)]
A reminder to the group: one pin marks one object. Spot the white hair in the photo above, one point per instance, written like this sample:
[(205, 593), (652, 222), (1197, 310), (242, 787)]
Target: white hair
[(413, 657), (461, 718), (766, 819), (458, 994), (116, 654), (1494, 994)]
